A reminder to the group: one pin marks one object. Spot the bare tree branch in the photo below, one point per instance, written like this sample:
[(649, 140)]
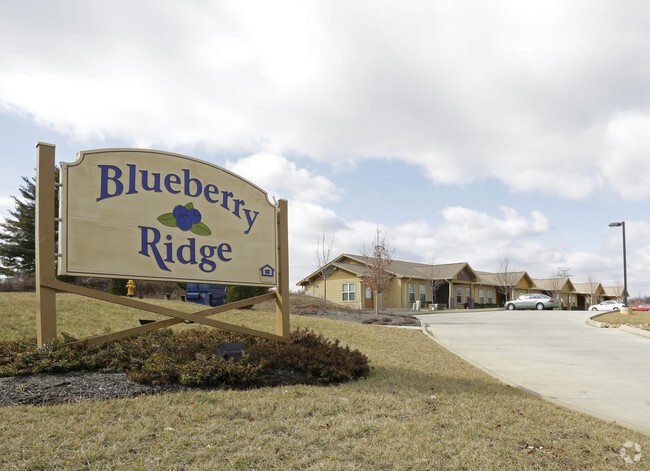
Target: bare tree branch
[(557, 282), (322, 259), (433, 276), (379, 258), (592, 289), (506, 279)]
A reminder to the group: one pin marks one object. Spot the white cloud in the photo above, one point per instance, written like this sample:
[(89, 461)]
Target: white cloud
[(282, 178), (625, 167), (547, 97), (530, 94), (465, 235), (469, 225), (6, 204)]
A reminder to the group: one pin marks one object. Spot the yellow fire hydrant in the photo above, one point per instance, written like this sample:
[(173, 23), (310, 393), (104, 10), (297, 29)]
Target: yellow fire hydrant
[(130, 288)]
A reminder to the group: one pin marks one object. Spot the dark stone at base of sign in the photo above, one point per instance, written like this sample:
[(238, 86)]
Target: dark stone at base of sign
[(232, 350)]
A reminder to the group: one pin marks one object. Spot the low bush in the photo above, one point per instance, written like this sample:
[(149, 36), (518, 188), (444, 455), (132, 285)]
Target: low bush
[(189, 357)]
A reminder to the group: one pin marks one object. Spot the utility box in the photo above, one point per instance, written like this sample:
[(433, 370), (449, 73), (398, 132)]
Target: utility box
[(204, 293)]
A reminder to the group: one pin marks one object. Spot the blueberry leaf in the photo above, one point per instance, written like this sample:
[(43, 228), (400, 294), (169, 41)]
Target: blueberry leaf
[(167, 219), (189, 206), (201, 229)]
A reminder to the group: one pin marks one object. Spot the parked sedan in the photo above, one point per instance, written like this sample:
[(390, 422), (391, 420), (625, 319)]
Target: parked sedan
[(642, 307), (609, 305), (532, 301)]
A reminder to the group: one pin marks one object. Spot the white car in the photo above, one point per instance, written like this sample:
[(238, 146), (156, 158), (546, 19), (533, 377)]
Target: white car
[(608, 305)]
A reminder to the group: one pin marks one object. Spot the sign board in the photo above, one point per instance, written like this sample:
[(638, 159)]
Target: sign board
[(131, 213)]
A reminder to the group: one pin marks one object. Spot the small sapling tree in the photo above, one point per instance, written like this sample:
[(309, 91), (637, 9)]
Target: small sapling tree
[(322, 259), (379, 257)]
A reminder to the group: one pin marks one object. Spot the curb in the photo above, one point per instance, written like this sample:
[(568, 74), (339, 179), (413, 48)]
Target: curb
[(594, 323), (635, 331), (624, 328)]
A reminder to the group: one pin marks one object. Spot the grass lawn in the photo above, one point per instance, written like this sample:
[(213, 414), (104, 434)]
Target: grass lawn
[(639, 319), (421, 408)]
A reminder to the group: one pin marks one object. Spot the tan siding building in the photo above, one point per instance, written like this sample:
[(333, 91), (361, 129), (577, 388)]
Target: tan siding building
[(559, 288), (411, 282), (515, 283), (455, 286)]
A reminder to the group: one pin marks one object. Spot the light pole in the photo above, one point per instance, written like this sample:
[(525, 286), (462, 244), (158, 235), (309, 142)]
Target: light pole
[(622, 224)]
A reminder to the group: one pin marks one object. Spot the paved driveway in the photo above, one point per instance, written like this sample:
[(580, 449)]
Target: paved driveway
[(603, 372)]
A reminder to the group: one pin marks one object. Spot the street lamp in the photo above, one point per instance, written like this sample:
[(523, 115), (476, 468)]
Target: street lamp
[(622, 224)]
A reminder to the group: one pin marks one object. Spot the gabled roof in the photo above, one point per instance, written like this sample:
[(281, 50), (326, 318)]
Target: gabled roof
[(550, 284), (492, 279), (613, 291), (354, 269), (403, 269), (588, 288), (398, 268)]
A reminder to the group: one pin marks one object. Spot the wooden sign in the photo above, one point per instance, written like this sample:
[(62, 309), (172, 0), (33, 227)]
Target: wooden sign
[(131, 213), (161, 216)]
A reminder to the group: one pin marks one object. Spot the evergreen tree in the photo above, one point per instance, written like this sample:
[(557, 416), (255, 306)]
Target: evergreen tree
[(18, 236), (236, 293)]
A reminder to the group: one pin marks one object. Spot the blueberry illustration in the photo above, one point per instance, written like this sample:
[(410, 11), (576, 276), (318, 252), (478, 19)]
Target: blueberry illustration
[(184, 222), (195, 216), (179, 211)]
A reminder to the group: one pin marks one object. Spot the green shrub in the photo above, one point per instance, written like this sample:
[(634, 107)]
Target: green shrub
[(118, 287), (189, 357), (236, 293)]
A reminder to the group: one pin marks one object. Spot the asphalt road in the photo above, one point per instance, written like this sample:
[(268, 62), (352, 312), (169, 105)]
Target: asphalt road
[(602, 372)]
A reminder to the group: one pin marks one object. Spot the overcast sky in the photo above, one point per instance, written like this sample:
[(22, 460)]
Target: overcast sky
[(469, 130)]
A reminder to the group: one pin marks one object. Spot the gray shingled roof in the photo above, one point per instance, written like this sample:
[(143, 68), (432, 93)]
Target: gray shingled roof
[(586, 288), (398, 268), (550, 284), (418, 270), (490, 278)]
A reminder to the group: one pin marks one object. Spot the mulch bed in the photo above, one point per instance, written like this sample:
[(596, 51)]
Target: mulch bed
[(66, 388)]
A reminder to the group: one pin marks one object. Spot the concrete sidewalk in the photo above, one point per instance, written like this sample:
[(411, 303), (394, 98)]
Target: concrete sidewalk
[(555, 354)]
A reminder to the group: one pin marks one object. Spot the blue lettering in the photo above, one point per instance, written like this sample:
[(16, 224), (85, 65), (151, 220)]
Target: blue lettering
[(211, 189), (146, 244), (224, 248), (131, 179), (192, 248), (188, 184), (145, 181), (115, 178), (169, 182), (186, 254), (112, 184), (169, 249), (250, 219), (206, 264), (238, 203), (226, 195)]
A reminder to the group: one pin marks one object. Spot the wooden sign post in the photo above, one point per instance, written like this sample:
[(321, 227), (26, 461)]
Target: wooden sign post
[(117, 221)]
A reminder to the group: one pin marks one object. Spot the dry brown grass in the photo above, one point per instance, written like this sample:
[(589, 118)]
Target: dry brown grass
[(635, 319), (421, 408)]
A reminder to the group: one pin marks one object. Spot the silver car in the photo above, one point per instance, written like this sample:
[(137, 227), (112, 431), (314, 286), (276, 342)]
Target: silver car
[(609, 305), (532, 301)]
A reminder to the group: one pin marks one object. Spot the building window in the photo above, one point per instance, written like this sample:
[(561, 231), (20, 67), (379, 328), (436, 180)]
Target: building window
[(467, 294), (411, 292), (481, 296), (459, 295), (423, 293), (490, 299), (348, 291)]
